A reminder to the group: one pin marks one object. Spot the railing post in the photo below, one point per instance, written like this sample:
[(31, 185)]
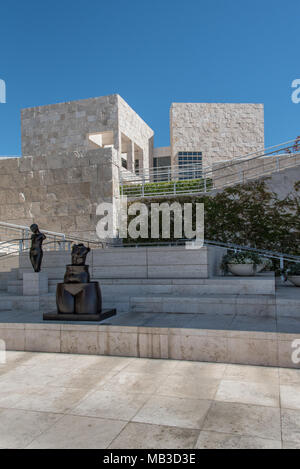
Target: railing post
[(277, 163), (281, 262), (204, 182), (20, 245), (26, 236), (120, 179), (143, 185), (174, 187)]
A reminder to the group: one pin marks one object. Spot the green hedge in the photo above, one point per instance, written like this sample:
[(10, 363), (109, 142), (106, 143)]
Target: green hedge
[(135, 190), (249, 215)]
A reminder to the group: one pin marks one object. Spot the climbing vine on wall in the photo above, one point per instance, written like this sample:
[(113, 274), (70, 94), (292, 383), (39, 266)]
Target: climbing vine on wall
[(249, 215)]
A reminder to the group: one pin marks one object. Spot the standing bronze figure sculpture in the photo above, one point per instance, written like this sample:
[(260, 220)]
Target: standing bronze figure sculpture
[(36, 251), (77, 298)]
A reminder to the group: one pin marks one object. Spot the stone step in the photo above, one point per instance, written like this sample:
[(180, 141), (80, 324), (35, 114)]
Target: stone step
[(48, 304), (19, 302), (15, 287), (6, 277), (250, 305), (241, 305), (5, 304), (288, 301), (263, 284)]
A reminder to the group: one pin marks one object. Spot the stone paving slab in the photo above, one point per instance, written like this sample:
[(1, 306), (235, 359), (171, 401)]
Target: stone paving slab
[(188, 405)]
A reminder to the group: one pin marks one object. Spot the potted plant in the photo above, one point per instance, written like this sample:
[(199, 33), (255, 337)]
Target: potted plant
[(292, 274), (244, 263)]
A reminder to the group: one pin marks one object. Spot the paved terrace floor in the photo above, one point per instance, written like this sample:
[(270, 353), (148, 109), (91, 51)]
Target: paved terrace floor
[(83, 401)]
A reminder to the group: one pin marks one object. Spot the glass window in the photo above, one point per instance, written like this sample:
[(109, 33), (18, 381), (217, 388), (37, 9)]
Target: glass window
[(190, 164)]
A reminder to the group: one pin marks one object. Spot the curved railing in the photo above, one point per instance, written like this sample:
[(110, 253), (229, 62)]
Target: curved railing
[(55, 241)]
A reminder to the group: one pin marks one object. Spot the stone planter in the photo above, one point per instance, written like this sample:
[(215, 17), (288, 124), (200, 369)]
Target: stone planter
[(243, 270), (260, 267), (295, 279)]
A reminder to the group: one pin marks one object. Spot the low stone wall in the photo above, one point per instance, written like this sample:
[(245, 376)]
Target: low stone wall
[(211, 345), (142, 263)]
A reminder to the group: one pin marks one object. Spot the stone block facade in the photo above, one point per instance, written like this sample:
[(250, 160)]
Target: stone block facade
[(66, 127), (60, 193), (62, 127), (137, 131), (220, 131)]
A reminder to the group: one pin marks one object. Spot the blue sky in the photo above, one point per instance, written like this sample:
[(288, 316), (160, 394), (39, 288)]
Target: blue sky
[(153, 53)]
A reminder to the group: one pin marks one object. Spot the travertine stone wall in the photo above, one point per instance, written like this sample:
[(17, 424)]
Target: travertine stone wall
[(162, 152), (62, 127), (221, 131), (133, 126), (60, 193)]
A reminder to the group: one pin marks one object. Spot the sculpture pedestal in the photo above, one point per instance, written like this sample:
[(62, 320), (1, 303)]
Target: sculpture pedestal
[(35, 283), (105, 314)]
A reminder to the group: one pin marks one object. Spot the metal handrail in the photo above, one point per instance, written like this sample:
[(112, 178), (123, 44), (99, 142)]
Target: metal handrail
[(208, 181), (261, 252), (263, 152), (282, 257), (23, 246), (24, 249), (182, 241), (27, 228)]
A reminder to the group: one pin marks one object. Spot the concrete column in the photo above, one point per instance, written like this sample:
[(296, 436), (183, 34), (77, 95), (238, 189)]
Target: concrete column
[(130, 156), (139, 155)]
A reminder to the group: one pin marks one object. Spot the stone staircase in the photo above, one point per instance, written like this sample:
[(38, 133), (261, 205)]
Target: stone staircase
[(242, 296), (142, 283), (246, 305), (205, 317)]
